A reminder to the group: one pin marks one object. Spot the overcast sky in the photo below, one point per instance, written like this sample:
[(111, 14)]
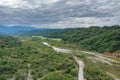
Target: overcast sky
[(59, 13)]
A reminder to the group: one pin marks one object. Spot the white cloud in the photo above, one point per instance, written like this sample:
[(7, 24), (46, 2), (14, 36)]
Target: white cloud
[(60, 13), (83, 22), (49, 1), (77, 2), (14, 3), (26, 4)]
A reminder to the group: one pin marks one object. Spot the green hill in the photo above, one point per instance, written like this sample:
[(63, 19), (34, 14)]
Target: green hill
[(100, 39)]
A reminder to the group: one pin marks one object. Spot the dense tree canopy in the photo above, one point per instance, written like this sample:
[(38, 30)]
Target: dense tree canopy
[(101, 39), (8, 41)]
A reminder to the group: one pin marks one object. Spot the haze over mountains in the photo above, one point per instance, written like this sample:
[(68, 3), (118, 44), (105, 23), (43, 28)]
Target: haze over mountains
[(14, 29)]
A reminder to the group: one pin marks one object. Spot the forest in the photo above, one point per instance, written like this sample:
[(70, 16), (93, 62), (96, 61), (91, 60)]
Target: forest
[(8, 41), (26, 57), (22, 58), (95, 38)]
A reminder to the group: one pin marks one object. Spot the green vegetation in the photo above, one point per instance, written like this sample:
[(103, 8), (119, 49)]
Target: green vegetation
[(25, 56), (8, 41), (43, 62), (100, 39), (103, 42), (41, 37), (58, 76)]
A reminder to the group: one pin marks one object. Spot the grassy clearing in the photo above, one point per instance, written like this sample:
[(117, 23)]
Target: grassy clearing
[(45, 38)]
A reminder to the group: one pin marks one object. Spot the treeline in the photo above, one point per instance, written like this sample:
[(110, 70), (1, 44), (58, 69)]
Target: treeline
[(8, 41), (100, 39)]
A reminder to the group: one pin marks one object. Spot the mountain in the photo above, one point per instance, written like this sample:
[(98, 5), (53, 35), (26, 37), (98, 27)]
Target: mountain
[(15, 29)]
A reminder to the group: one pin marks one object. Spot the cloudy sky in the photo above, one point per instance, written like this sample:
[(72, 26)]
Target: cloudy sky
[(59, 13)]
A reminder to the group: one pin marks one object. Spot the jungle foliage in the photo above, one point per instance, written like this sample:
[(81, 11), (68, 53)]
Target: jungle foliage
[(100, 39)]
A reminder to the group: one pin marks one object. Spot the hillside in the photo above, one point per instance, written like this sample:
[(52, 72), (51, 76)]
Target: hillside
[(100, 39), (108, 41)]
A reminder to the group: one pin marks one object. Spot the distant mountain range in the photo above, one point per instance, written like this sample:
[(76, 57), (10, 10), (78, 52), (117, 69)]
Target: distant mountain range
[(15, 29)]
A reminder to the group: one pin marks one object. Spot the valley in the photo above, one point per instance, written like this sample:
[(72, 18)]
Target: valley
[(53, 58), (59, 39)]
